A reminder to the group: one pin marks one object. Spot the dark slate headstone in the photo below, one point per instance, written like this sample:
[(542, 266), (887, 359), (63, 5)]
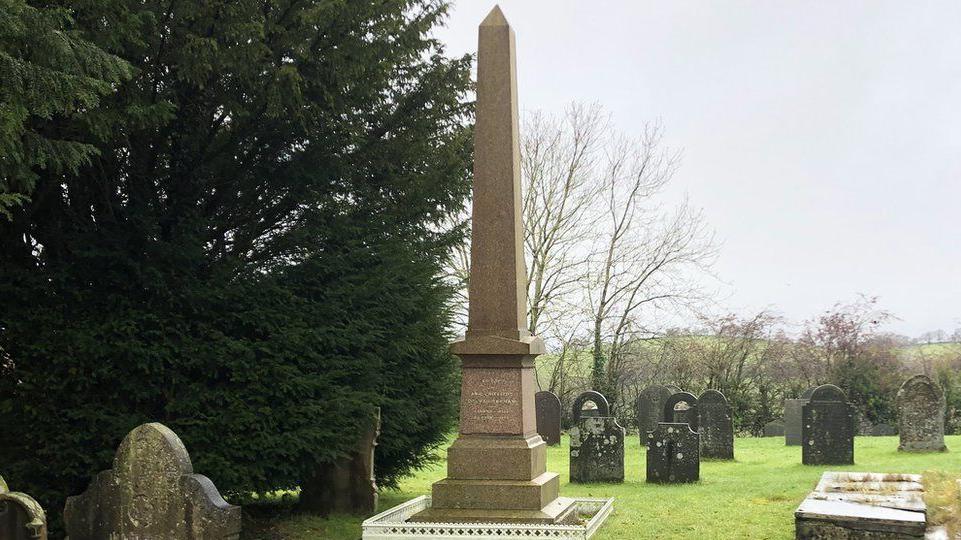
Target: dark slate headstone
[(673, 454), (347, 485), (827, 436), (921, 405), (601, 408), (808, 393), (792, 418), (716, 426), (649, 408), (774, 428), (21, 517), (681, 408), (151, 492), (548, 408), (597, 450)]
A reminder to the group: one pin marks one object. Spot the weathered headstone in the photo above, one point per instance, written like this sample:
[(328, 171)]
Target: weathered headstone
[(548, 407), (597, 450), (673, 454), (827, 435), (649, 408), (151, 492), (21, 517), (792, 418), (599, 410), (774, 428), (920, 404), (882, 430), (681, 408), (863, 506), (346, 486), (716, 425), (497, 467)]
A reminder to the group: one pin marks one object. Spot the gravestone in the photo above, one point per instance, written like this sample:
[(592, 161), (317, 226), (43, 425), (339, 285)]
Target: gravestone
[(882, 430), (497, 466), (673, 454), (600, 409), (792, 418), (21, 517), (548, 408), (347, 485), (716, 426), (649, 408), (775, 428), (827, 434), (597, 450), (151, 492), (681, 408), (920, 404)]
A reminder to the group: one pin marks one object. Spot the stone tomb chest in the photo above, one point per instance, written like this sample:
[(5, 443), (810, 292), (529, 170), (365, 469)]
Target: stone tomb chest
[(827, 428), (597, 443), (151, 492), (867, 506), (21, 517), (673, 454), (921, 405)]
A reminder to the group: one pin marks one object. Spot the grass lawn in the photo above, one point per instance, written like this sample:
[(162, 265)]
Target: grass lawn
[(752, 497)]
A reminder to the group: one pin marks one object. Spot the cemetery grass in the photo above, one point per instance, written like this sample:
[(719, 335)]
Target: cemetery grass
[(752, 497)]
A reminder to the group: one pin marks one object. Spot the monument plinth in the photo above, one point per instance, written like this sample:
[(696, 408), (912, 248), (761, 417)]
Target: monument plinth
[(497, 467)]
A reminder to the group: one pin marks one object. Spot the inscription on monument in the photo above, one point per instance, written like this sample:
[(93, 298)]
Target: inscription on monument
[(493, 400)]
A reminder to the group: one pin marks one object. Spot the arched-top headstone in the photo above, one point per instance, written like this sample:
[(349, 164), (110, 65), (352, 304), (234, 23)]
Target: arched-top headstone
[(151, 492), (603, 409), (21, 517), (548, 408), (921, 404), (673, 414), (807, 393), (649, 408), (716, 425), (828, 392)]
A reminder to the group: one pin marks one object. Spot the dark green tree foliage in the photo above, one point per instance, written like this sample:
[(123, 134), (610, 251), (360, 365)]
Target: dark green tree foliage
[(48, 73), (250, 255)]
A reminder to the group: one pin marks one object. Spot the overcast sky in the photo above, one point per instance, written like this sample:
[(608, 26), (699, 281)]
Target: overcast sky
[(822, 139)]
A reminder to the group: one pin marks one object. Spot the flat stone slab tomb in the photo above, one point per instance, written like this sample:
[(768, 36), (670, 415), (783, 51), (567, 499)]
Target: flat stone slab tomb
[(872, 506)]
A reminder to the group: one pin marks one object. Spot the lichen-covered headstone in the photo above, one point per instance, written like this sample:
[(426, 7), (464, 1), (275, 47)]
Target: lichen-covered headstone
[(547, 406), (774, 428), (151, 493), (21, 517), (649, 408), (716, 426), (597, 441), (920, 404), (673, 454), (681, 408), (827, 435), (347, 485)]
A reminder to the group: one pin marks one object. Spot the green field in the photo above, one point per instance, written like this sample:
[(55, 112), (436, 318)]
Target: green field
[(753, 497)]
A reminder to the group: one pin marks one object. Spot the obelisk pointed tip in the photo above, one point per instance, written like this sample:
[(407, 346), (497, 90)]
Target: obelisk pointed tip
[(495, 18)]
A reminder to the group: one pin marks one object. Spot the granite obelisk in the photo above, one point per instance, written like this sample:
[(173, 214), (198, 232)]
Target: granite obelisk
[(497, 467)]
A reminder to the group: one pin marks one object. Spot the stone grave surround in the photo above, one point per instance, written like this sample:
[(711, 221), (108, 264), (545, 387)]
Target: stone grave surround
[(151, 492), (774, 428), (649, 408), (21, 517), (683, 416), (920, 405), (792, 418), (673, 454), (497, 467), (863, 506), (828, 428), (715, 425), (597, 450), (348, 485), (548, 408)]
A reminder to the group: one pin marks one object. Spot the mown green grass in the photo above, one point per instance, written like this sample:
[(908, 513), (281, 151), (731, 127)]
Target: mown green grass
[(752, 497)]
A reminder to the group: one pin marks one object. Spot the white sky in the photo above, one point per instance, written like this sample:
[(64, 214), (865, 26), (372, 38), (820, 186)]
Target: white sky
[(822, 139)]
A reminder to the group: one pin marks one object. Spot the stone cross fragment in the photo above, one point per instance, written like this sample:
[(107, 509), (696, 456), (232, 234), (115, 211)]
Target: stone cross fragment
[(921, 404), (21, 517), (151, 492)]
